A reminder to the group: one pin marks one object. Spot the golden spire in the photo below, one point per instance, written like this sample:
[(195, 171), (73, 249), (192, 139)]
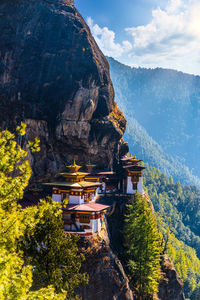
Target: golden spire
[(74, 164), (135, 160), (74, 167)]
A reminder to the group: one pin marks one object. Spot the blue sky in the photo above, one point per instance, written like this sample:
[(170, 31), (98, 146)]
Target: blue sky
[(118, 14), (147, 33)]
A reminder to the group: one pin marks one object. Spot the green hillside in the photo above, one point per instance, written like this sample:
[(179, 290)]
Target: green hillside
[(178, 212), (166, 104)]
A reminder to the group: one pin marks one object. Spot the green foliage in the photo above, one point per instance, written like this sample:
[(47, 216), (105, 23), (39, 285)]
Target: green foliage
[(34, 145), (53, 253), (21, 130), (180, 205), (16, 276), (143, 244), (177, 208), (184, 258), (196, 293)]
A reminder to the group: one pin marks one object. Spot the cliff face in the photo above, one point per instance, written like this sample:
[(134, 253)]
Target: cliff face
[(171, 286), (107, 279), (54, 77)]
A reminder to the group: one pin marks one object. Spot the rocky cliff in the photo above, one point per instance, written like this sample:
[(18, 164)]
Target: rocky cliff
[(107, 279), (54, 77), (171, 286)]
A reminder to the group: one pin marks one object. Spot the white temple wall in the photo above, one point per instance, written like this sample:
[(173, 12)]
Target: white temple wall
[(79, 224), (76, 199), (98, 224), (94, 225), (140, 186), (56, 197), (130, 189)]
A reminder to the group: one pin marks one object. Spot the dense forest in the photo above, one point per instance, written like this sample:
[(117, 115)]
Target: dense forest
[(143, 248), (38, 260), (178, 210), (152, 97)]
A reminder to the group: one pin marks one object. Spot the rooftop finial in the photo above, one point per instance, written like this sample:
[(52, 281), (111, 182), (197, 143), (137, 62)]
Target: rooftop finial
[(74, 167)]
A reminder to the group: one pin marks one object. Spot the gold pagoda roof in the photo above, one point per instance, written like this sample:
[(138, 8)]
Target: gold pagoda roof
[(134, 159), (80, 184), (74, 174), (90, 165), (74, 167), (131, 159)]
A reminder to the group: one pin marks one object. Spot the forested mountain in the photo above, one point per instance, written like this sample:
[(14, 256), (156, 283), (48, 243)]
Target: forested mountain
[(150, 151), (162, 108), (166, 104), (178, 211)]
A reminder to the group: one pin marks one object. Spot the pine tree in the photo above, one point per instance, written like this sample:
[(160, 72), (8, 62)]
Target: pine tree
[(143, 247), (16, 276), (53, 253)]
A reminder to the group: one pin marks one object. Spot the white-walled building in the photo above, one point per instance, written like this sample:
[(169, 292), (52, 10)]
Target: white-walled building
[(81, 214), (86, 219), (132, 179)]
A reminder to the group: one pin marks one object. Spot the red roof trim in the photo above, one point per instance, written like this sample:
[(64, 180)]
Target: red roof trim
[(90, 207)]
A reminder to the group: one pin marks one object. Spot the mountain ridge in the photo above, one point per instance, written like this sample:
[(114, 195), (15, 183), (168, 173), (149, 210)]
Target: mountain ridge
[(141, 96)]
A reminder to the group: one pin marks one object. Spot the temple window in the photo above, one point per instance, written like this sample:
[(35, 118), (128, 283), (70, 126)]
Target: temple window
[(88, 197), (134, 185), (84, 219)]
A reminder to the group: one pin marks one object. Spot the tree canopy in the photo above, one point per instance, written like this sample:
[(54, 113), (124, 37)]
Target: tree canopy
[(143, 247), (177, 209), (16, 224)]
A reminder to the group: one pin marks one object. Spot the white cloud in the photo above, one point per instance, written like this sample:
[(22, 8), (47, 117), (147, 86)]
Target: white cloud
[(170, 40), (173, 6), (105, 38)]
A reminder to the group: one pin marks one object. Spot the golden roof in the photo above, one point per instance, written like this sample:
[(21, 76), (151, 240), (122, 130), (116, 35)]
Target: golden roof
[(74, 174), (73, 168), (131, 159), (134, 159), (81, 184)]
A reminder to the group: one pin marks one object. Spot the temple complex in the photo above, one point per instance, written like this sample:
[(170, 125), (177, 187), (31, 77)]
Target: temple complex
[(82, 214), (132, 177)]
